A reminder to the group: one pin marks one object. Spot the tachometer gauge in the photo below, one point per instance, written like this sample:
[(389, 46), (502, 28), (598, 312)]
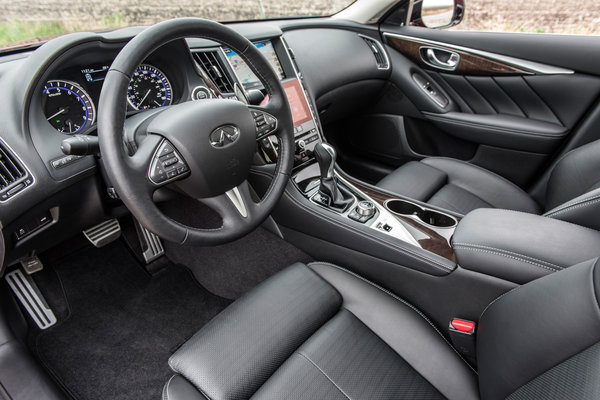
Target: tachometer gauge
[(149, 88), (67, 107)]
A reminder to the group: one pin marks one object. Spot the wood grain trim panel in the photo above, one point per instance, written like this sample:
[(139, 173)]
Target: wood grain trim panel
[(436, 243), (469, 64)]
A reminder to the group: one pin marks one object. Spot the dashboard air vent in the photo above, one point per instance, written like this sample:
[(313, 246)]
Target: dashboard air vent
[(211, 63), (380, 56), (14, 177)]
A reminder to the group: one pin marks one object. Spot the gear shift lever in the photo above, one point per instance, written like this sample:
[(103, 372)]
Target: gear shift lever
[(325, 155), (332, 194)]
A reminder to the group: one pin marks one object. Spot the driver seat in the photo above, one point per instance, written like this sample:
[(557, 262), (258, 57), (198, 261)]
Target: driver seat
[(322, 332)]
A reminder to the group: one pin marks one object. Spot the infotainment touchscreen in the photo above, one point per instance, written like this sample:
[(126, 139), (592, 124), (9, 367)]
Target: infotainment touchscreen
[(245, 74), (298, 105)]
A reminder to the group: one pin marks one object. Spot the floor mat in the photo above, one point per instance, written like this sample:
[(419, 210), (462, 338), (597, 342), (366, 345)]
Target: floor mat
[(122, 324), (232, 269)]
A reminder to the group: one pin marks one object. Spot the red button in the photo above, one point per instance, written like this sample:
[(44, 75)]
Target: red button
[(462, 325)]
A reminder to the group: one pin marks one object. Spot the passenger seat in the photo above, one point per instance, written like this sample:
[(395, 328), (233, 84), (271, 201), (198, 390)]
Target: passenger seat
[(573, 192)]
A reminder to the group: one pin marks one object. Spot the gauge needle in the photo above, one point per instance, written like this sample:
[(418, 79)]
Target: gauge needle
[(62, 110), (147, 93)]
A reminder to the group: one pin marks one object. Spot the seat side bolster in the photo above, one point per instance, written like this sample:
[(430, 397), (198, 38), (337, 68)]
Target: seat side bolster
[(177, 388), (488, 186), (414, 180), (258, 333), (536, 327), (406, 330)]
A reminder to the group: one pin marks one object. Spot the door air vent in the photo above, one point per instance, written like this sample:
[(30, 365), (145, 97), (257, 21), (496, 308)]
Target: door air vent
[(14, 176), (381, 57), (210, 62)]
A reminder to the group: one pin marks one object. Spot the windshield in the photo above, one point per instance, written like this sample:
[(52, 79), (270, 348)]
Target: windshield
[(25, 22)]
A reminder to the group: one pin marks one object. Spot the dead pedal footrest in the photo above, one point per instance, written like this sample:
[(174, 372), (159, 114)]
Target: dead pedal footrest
[(32, 300)]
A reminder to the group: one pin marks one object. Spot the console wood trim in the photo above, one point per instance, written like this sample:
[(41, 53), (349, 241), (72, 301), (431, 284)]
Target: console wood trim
[(436, 243)]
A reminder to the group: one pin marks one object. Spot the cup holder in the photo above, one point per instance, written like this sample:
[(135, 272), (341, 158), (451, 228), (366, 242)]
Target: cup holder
[(425, 215)]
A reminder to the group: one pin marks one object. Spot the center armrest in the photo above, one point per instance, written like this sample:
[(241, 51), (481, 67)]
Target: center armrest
[(520, 247)]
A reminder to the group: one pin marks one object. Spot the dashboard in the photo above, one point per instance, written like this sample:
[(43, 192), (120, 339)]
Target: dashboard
[(53, 94)]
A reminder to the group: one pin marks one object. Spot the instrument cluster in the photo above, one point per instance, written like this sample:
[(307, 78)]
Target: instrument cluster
[(69, 104)]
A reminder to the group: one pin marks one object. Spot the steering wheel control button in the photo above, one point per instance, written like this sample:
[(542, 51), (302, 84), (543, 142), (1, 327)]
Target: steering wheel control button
[(364, 211), (166, 148), (167, 164), (265, 123)]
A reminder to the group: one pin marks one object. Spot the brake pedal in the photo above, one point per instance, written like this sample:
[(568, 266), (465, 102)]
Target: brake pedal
[(32, 300), (152, 247), (103, 233)]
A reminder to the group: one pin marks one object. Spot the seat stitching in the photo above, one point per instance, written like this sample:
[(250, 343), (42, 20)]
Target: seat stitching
[(166, 389), (498, 298), (545, 216), (420, 257), (400, 300), (178, 371), (507, 256), (324, 373), (507, 253), (566, 208)]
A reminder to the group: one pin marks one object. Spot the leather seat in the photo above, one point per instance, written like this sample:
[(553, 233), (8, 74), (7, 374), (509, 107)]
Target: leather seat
[(322, 332), (572, 194)]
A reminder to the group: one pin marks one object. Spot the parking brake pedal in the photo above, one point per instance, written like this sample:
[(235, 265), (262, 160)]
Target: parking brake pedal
[(152, 247), (32, 300), (103, 233)]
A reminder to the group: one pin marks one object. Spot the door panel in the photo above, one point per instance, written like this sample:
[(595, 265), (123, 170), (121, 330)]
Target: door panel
[(515, 97)]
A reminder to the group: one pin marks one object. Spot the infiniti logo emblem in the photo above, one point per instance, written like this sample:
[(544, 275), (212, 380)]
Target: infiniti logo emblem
[(224, 136)]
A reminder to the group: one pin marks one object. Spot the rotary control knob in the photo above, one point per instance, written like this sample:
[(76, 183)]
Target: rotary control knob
[(365, 209), (301, 144)]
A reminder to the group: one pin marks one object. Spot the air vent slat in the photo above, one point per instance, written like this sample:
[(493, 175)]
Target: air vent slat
[(211, 63), (378, 52), (13, 175)]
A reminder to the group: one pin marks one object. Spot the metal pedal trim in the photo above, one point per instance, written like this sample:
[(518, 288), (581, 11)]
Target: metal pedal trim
[(32, 300), (152, 247), (103, 233)]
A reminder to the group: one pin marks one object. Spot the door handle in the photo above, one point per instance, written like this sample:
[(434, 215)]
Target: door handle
[(440, 58)]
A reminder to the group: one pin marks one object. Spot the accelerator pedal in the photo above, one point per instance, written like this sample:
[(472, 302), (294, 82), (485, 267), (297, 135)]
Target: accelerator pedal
[(152, 247), (30, 297), (103, 233)]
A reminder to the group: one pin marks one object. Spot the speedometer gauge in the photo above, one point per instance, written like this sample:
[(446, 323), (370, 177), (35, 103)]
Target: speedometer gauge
[(149, 88), (67, 107)]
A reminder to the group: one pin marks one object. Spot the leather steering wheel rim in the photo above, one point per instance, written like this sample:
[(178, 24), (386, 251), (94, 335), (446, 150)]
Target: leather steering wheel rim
[(128, 173)]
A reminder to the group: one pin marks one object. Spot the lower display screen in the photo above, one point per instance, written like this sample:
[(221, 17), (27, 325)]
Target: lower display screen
[(298, 104)]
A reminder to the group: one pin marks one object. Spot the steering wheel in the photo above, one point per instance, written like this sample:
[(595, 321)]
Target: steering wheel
[(203, 149)]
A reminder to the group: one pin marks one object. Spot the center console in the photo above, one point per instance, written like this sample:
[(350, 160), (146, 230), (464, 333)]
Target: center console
[(379, 222), (520, 247)]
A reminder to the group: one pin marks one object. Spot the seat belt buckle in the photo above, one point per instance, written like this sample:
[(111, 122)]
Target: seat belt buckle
[(462, 334)]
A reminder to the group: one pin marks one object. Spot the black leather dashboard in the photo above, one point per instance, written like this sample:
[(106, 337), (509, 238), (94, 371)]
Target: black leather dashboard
[(77, 191)]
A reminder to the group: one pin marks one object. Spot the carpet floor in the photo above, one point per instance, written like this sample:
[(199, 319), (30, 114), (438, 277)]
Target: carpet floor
[(120, 324)]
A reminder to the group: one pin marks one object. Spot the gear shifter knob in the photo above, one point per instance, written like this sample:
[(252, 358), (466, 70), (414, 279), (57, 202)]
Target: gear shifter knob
[(325, 155)]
